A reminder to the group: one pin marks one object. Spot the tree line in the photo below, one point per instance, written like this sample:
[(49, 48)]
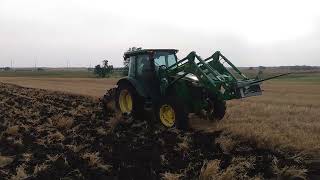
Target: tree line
[(103, 70)]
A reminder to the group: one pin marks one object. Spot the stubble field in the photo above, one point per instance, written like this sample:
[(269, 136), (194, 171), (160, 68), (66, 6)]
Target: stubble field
[(283, 125), (286, 116)]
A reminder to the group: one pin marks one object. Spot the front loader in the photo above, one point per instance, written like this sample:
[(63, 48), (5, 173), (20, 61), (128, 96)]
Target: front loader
[(172, 89)]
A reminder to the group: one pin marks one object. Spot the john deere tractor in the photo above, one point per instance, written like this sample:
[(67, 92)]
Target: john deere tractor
[(170, 88)]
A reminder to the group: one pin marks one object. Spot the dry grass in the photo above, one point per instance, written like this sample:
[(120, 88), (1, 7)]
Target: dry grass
[(40, 167), (20, 173), (57, 136), (84, 86), (238, 169), (210, 170), (289, 172), (286, 117), (12, 130), (4, 161), (93, 158), (171, 176), (61, 121), (75, 148), (183, 146), (226, 143), (114, 121)]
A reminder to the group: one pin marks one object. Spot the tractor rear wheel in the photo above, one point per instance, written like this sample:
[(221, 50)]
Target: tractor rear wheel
[(128, 100), (172, 113)]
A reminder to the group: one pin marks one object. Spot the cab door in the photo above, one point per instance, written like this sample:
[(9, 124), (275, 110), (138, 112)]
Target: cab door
[(145, 74)]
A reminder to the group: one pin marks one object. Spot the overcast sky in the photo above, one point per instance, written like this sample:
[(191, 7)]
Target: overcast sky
[(249, 33)]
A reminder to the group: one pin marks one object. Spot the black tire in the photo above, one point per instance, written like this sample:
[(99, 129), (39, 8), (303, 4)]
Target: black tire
[(137, 100), (217, 109), (181, 115)]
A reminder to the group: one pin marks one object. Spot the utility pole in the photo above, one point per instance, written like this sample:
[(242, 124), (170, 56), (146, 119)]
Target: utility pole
[(12, 64), (68, 63), (35, 63)]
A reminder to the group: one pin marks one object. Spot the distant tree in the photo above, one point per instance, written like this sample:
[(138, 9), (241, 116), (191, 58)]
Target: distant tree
[(250, 68), (98, 70), (103, 71), (302, 68), (126, 62), (262, 68), (107, 69), (125, 70), (7, 68)]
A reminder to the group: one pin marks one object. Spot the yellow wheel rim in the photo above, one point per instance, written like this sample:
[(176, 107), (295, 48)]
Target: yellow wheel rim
[(167, 115), (125, 101)]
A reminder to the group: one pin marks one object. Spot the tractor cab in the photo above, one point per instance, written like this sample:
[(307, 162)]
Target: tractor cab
[(144, 68), (146, 63)]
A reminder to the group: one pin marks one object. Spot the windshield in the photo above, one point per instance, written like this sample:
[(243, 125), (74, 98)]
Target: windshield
[(165, 58)]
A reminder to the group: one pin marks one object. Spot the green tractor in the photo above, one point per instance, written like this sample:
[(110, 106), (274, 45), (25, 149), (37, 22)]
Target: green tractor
[(171, 89)]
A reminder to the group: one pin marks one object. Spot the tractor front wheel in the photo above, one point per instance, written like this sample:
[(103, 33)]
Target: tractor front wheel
[(217, 109), (171, 113)]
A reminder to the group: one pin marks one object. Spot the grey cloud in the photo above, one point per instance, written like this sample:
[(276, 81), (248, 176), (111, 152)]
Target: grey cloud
[(95, 37)]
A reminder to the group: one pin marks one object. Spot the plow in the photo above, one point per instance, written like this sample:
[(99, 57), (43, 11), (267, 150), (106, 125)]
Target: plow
[(171, 89)]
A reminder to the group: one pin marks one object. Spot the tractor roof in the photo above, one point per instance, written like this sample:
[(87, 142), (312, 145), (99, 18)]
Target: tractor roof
[(143, 51)]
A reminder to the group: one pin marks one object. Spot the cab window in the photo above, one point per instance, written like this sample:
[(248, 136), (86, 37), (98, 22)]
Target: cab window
[(164, 58), (143, 64), (132, 66)]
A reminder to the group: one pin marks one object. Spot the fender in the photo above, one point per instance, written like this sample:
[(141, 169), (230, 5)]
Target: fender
[(139, 88)]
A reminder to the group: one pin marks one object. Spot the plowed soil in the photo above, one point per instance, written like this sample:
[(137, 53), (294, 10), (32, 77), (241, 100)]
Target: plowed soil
[(53, 135)]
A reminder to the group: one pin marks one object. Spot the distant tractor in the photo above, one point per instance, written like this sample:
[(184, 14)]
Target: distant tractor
[(173, 88)]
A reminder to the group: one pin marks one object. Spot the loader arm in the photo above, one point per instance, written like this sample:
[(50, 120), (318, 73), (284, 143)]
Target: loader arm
[(210, 73), (214, 76)]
